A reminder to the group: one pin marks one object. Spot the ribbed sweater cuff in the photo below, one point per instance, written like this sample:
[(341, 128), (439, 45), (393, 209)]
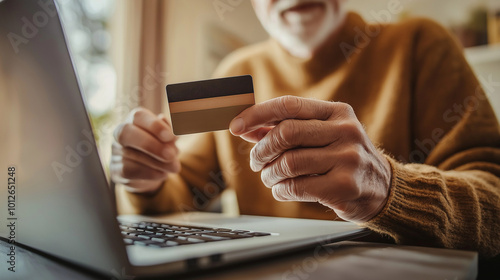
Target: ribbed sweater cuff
[(413, 212)]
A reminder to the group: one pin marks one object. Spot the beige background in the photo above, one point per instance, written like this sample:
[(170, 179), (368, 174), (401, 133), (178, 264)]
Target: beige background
[(198, 37)]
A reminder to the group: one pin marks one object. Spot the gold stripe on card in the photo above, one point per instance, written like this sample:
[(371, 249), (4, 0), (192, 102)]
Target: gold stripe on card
[(205, 120), (211, 103)]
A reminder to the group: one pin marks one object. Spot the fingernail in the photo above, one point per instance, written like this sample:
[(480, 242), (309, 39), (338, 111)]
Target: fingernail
[(166, 136), (237, 125)]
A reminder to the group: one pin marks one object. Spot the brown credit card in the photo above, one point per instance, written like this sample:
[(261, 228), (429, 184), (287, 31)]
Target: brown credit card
[(208, 105)]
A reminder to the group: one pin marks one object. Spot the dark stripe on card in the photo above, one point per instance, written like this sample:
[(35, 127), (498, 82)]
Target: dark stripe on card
[(205, 120), (209, 88), (211, 103)]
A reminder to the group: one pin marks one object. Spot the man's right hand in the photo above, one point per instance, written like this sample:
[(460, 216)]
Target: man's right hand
[(144, 152)]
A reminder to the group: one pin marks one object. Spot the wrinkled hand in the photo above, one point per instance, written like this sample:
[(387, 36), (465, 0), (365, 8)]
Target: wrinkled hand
[(316, 151), (144, 152)]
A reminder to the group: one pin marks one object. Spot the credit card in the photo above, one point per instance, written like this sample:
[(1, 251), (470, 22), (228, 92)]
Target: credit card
[(208, 105)]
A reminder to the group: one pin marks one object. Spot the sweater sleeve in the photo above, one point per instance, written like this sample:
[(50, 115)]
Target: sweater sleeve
[(448, 195), (190, 190)]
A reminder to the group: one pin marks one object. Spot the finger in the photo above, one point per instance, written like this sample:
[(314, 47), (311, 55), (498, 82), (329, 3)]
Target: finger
[(133, 170), (296, 163), (168, 122), (256, 135), (173, 166), (137, 185), (333, 189), (291, 134), (133, 185), (298, 189), (132, 136), (276, 110), (143, 186), (115, 169), (154, 125), (116, 148)]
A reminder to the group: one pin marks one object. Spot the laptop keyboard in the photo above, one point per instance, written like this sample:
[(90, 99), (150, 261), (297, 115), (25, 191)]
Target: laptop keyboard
[(161, 235)]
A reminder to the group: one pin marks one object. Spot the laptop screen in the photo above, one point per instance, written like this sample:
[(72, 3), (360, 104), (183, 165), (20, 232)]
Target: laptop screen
[(62, 203)]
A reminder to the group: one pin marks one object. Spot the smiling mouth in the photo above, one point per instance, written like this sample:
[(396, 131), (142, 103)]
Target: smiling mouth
[(304, 7)]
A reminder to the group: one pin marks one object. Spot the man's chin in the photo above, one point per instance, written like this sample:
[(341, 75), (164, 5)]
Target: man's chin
[(304, 38), (296, 46)]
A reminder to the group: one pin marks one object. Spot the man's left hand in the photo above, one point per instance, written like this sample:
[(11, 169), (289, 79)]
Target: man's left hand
[(316, 151)]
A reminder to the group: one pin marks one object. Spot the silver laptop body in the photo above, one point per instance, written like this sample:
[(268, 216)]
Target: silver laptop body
[(62, 202)]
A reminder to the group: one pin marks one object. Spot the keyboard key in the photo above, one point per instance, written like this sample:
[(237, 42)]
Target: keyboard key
[(181, 242), (133, 238), (226, 235), (208, 239), (213, 237), (259, 233), (144, 236), (144, 242), (160, 245), (195, 240), (128, 241), (160, 239), (222, 229), (194, 230)]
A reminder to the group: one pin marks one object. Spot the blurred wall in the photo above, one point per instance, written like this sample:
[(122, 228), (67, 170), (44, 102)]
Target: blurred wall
[(188, 20), (446, 12), (195, 26)]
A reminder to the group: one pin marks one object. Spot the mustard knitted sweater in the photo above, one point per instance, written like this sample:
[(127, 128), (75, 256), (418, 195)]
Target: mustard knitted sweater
[(419, 101)]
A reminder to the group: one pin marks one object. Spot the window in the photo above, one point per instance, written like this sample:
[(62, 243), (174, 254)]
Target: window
[(86, 25)]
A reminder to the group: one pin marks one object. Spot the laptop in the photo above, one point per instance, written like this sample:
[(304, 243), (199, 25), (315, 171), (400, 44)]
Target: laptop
[(61, 203)]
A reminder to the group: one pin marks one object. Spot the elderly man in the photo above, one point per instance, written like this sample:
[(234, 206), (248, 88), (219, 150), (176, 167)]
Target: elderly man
[(395, 134)]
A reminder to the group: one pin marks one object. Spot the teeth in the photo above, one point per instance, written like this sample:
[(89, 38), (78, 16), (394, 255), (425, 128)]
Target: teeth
[(283, 5)]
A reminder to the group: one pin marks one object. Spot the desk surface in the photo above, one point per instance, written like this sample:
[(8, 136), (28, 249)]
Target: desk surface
[(343, 260)]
